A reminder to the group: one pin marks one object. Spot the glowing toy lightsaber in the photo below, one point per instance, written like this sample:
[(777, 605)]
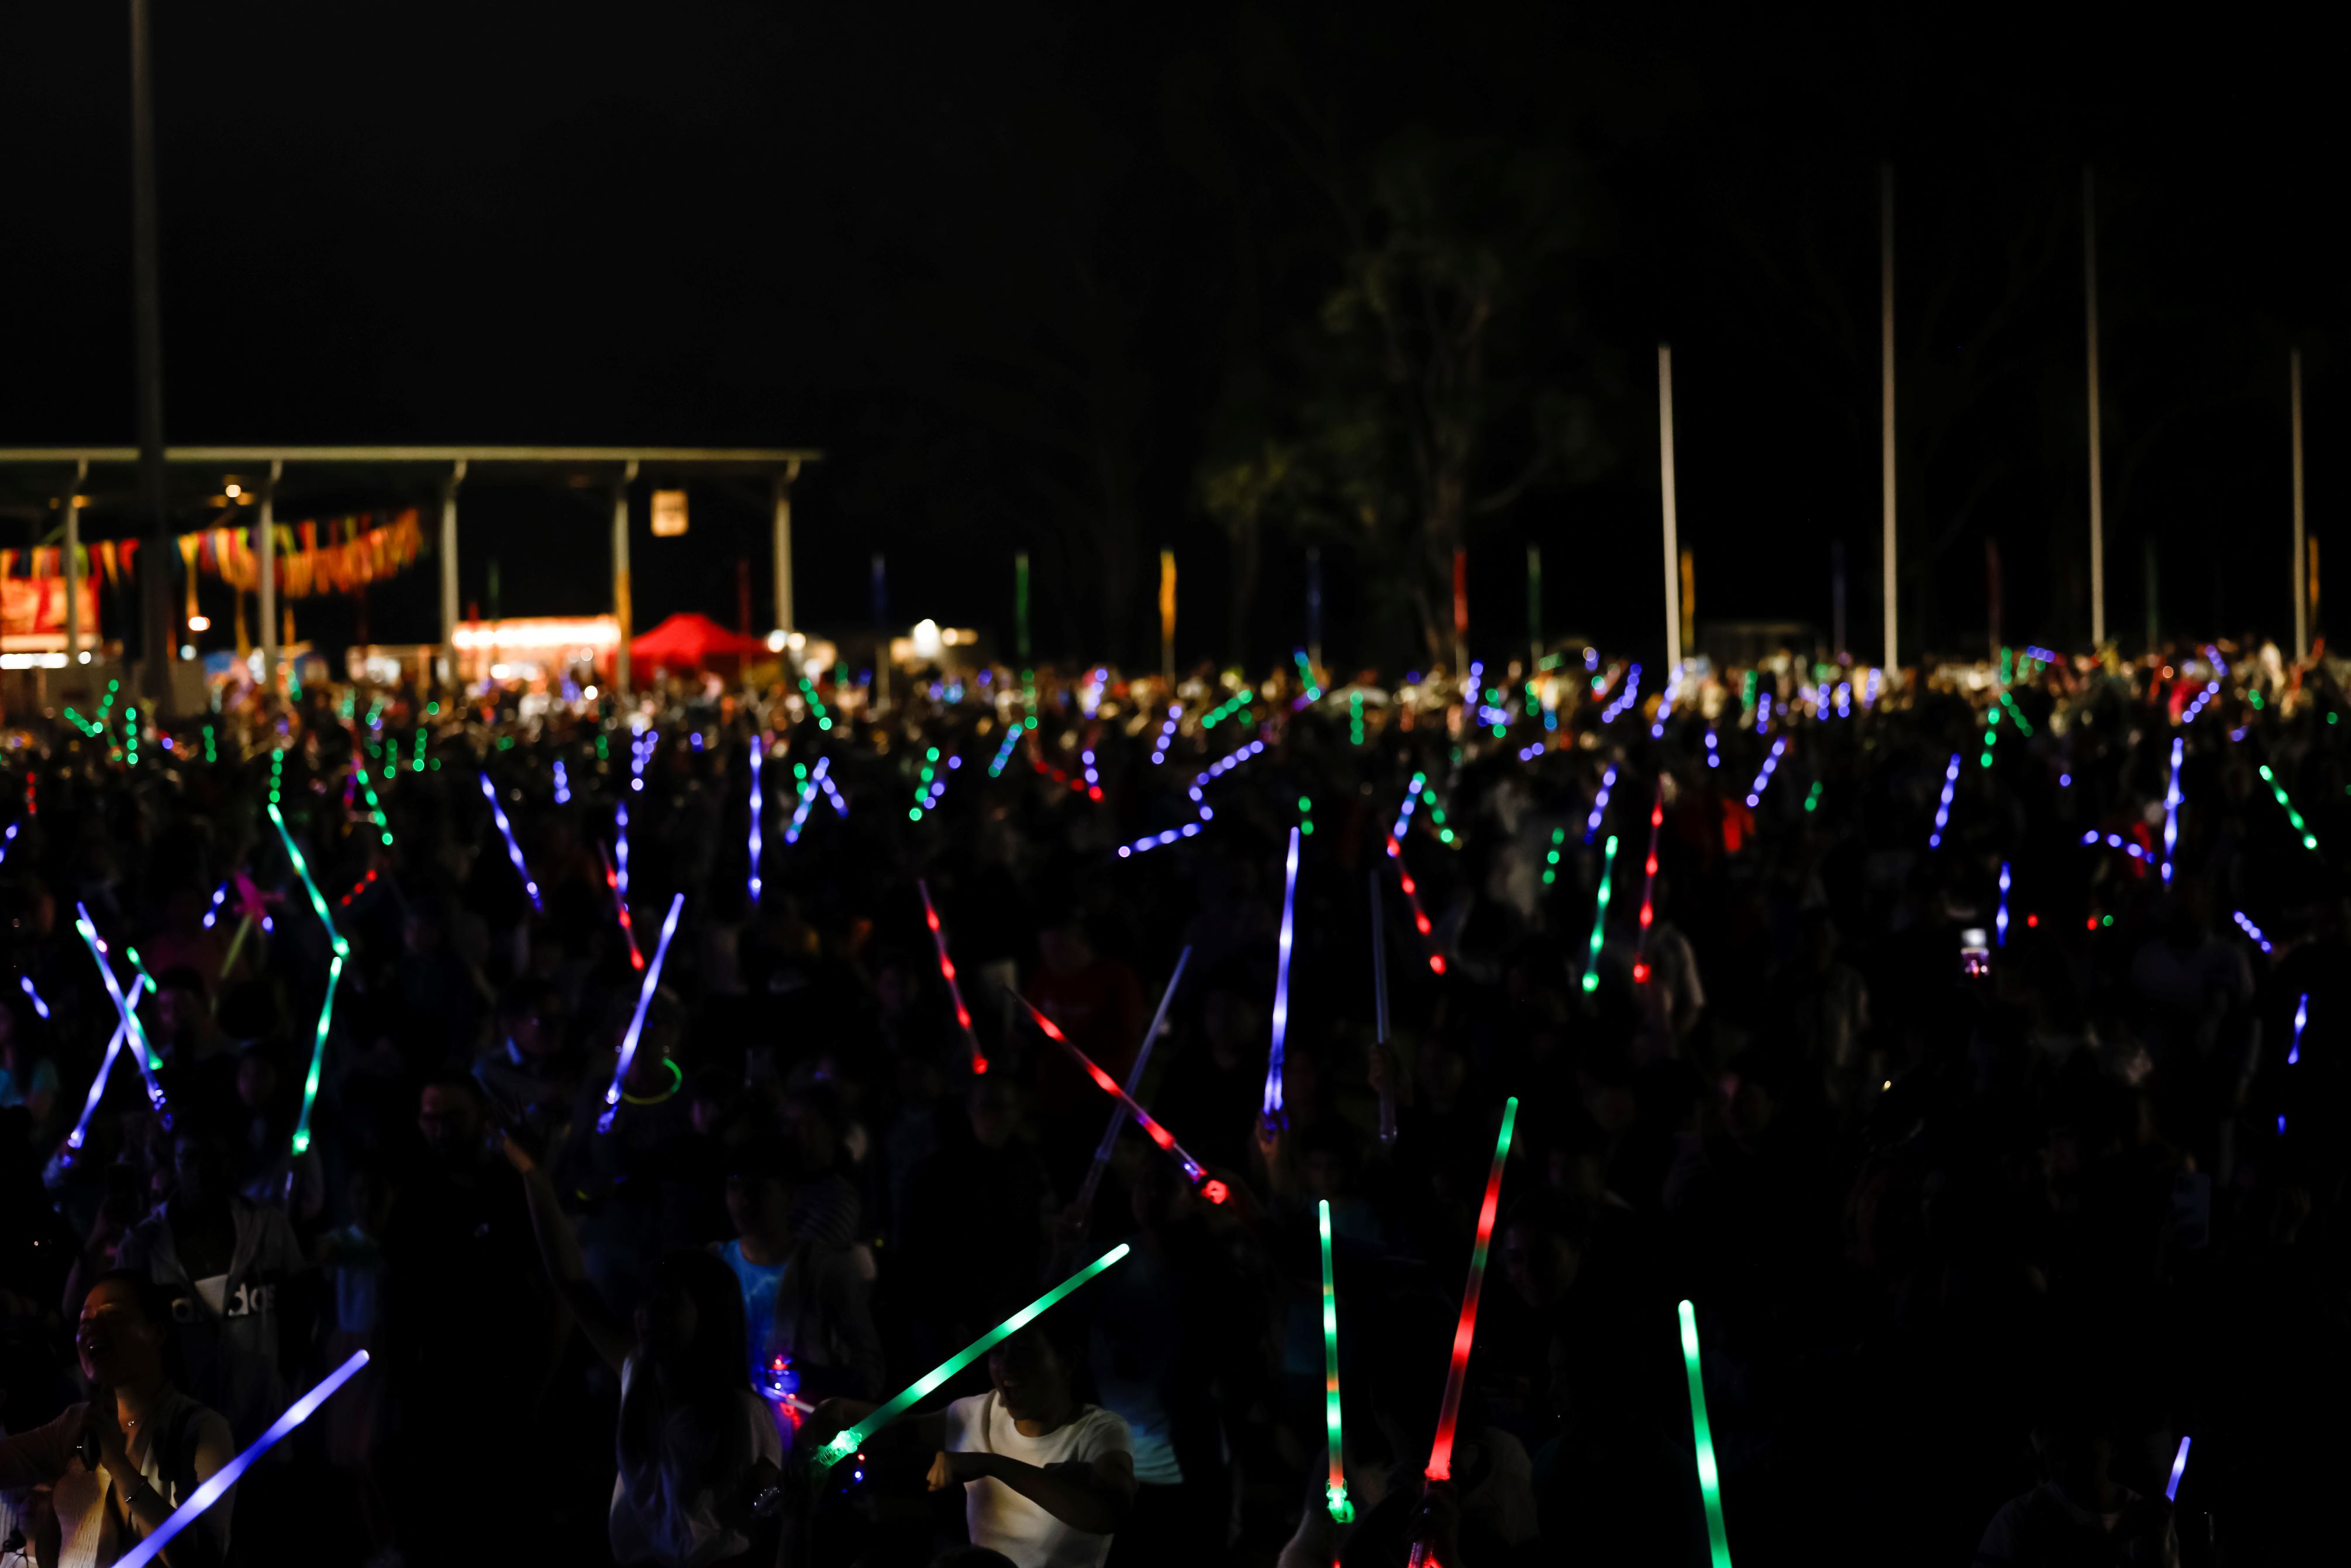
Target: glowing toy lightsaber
[(1943, 806), (2179, 1468), (1600, 916), (1335, 1491), (129, 1014), (808, 800), (620, 908), (758, 751), (1440, 1452), (637, 1019), (621, 850), (1649, 891), (2171, 810), (506, 832), (849, 1439), (1709, 1480), (81, 1133), (1195, 1172), (2000, 917), (39, 1006), (1092, 1183), (2301, 1017), (340, 951), (947, 973), (217, 1487), (1270, 1104)]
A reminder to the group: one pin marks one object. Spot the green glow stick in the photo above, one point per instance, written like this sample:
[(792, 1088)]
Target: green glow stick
[(2309, 840), (1600, 915), (849, 1439), (334, 976), (1341, 1510), (154, 1062), (1709, 1480)]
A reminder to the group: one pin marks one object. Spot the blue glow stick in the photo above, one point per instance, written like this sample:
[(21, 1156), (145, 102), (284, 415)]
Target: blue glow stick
[(217, 1487), (1600, 804), (1763, 779), (621, 850), (2172, 809), (1999, 918), (129, 1014), (637, 1021), (562, 784), (759, 750), (1273, 1098), (7, 841), (39, 1006), (2301, 1017), (1943, 807), (81, 1133), (808, 800), (2250, 929), (2179, 1468), (506, 832), (1159, 839)]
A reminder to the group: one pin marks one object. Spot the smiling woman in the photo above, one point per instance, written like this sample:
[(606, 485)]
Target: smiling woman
[(119, 1465)]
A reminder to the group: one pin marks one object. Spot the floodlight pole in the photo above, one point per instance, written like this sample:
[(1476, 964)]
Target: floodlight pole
[(2301, 582), (72, 503), (2097, 467), (1893, 579), (266, 536), (622, 611), (1666, 484), (783, 505), (449, 571)]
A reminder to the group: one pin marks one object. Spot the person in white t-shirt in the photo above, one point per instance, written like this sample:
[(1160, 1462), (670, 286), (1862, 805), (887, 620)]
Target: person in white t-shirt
[(1046, 1480)]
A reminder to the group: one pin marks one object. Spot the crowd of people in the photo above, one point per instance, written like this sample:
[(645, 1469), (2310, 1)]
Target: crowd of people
[(1965, 1051)]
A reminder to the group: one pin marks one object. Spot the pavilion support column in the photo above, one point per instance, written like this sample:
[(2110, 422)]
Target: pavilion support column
[(623, 610), (449, 571), (267, 542), (72, 553), (784, 546)]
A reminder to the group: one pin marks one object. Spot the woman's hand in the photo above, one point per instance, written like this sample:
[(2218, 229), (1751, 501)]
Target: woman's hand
[(953, 1469), (113, 1449)]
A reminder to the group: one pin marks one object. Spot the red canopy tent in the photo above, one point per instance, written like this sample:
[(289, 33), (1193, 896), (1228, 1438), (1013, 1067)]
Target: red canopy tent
[(691, 642)]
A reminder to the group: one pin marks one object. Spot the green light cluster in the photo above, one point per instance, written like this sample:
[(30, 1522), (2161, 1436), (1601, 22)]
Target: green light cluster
[(1550, 860), (131, 737), (375, 807), (276, 773), (1709, 1478), (1436, 816), (1306, 815), (211, 754), (815, 704), (1813, 797), (1216, 715), (1354, 719)]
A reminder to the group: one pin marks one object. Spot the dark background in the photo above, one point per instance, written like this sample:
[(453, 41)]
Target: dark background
[(1034, 276)]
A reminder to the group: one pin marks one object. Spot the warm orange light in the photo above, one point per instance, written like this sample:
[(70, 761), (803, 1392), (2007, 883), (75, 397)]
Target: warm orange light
[(200, 622)]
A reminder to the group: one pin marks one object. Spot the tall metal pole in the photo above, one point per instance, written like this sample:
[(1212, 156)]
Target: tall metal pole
[(2301, 583), (449, 571), (784, 546), (1673, 527), (1534, 609), (266, 538), (159, 633), (623, 610), (72, 555), (2097, 466), (1886, 404)]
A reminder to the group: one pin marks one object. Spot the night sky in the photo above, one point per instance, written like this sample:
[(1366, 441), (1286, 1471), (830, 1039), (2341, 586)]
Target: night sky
[(1032, 276)]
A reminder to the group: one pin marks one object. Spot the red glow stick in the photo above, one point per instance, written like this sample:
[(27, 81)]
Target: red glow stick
[(947, 973), (620, 904), (1419, 915), (1649, 891), (1440, 1453), (1207, 1186)]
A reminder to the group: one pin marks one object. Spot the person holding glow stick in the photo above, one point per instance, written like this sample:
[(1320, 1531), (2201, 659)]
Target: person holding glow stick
[(637, 1021), (123, 1467), (699, 1459), (1047, 1481)]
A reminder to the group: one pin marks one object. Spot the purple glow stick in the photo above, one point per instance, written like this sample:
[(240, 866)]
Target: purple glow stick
[(637, 1021), (506, 832), (1272, 1099)]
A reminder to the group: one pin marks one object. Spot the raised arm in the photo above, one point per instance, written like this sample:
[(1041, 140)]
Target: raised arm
[(1093, 1495), (559, 1251)]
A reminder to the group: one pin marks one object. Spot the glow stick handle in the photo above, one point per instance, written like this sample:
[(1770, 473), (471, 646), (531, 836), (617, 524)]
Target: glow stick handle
[(851, 1438), (217, 1487), (1440, 1453), (1709, 1480), (1092, 1183), (637, 1019)]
